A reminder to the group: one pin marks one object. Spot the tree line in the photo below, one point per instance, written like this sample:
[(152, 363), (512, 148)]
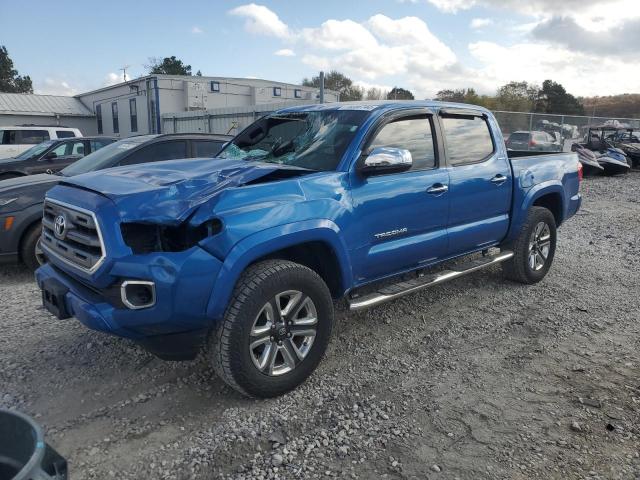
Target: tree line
[(551, 97)]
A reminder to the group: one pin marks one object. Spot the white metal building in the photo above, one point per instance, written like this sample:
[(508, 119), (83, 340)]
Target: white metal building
[(137, 106), (53, 110)]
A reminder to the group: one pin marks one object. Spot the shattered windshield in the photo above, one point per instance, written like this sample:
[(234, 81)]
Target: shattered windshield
[(312, 140)]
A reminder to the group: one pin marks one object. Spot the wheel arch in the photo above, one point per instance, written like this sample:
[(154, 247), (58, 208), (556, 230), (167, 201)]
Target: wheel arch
[(314, 243), (550, 195)]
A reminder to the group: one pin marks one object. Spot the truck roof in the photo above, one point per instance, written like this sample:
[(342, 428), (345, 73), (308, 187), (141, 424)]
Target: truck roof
[(381, 105)]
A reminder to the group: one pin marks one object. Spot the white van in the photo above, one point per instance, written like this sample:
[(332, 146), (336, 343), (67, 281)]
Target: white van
[(15, 140)]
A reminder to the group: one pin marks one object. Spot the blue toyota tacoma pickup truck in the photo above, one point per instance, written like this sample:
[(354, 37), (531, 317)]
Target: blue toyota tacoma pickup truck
[(244, 254)]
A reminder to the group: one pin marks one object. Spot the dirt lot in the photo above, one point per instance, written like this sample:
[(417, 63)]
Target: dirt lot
[(474, 379)]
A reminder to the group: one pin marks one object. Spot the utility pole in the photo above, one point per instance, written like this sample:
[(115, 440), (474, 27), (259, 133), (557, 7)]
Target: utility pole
[(321, 87)]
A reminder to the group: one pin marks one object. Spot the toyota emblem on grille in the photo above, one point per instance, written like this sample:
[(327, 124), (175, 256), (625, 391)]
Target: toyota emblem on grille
[(60, 226)]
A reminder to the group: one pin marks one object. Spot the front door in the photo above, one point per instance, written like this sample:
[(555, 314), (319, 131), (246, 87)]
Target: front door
[(481, 184), (400, 219)]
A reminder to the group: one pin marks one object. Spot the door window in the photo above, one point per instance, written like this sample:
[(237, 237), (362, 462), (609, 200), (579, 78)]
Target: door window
[(157, 152), (468, 139), (413, 134)]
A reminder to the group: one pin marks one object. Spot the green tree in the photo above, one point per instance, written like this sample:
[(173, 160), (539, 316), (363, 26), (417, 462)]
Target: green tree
[(449, 95), (168, 66), (10, 81), (375, 93), (398, 93), (517, 97), (338, 82), (553, 98)]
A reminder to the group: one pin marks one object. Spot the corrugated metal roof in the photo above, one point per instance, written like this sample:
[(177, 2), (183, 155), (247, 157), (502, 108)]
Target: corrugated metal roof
[(30, 104)]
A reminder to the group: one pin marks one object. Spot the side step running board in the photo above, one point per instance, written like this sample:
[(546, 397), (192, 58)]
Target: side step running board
[(396, 290)]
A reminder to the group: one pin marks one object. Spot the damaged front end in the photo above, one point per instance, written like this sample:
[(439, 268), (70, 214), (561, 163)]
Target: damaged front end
[(145, 238)]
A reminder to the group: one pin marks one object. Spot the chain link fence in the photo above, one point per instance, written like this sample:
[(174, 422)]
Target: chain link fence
[(545, 132), (521, 131)]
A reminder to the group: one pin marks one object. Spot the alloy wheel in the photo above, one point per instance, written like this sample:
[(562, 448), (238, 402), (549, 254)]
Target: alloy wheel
[(283, 333)]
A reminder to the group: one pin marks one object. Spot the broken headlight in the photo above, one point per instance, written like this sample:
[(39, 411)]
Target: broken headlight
[(148, 237)]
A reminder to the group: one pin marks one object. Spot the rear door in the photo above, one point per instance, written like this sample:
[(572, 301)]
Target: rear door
[(400, 219), (480, 182)]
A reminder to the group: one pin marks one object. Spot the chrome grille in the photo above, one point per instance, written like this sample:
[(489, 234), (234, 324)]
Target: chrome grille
[(72, 235)]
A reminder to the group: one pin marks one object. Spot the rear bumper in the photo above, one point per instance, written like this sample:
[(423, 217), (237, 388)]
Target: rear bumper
[(174, 327), (574, 205)]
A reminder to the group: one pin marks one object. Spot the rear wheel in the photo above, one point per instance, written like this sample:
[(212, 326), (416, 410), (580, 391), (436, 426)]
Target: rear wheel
[(534, 248), (275, 331), (30, 251)]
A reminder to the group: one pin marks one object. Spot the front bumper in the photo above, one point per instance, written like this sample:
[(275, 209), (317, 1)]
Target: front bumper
[(174, 327)]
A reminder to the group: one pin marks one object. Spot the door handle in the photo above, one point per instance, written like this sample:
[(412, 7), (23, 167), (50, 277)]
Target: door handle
[(437, 188), (499, 179)]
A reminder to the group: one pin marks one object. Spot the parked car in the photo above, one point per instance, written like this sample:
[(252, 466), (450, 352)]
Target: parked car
[(51, 156), (16, 139), (244, 255), (533, 142), (21, 198)]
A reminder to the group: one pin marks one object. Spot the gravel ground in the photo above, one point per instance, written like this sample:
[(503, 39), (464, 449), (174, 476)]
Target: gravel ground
[(474, 379)]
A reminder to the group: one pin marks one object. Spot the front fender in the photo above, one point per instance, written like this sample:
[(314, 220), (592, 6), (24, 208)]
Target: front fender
[(270, 240), (534, 193)]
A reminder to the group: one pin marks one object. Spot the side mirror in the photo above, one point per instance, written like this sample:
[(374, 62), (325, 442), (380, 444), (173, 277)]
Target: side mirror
[(50, 156), (387, 160)]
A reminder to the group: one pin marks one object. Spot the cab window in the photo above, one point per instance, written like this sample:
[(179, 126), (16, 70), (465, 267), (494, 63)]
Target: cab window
[(468, 139), (414, 134)]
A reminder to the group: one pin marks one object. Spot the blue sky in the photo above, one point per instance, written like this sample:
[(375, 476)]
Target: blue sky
[(424, 45)]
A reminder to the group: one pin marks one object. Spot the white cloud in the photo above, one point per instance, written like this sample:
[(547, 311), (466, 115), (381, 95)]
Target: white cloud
[(581, 74), (404, 52), (284, 52), (261, 20), (592, 15), (52, 86), (339, 35), (112, 79), (196, 30), (478, 23), (452, 6)]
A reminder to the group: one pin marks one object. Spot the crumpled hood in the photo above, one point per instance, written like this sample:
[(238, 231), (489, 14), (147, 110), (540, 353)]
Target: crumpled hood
[(168, 192)]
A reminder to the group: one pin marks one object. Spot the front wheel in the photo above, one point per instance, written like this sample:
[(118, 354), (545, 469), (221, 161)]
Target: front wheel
[(30, 251), (534, 248), (275, 330)]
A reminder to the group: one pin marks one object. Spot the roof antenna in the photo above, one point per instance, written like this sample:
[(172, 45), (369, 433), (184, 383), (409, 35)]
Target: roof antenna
[(124, 72)]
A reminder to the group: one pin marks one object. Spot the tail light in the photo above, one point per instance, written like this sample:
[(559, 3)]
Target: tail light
[(532, 143), (580, 172)]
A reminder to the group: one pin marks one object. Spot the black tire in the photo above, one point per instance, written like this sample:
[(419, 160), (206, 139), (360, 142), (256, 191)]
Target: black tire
[(28, 247), (229, 344), (519, 268)]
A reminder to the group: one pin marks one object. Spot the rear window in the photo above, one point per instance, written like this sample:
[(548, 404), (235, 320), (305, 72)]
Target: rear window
[(468, 139), (24, 137), (207, 148), (65, 134), (519, 137)]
